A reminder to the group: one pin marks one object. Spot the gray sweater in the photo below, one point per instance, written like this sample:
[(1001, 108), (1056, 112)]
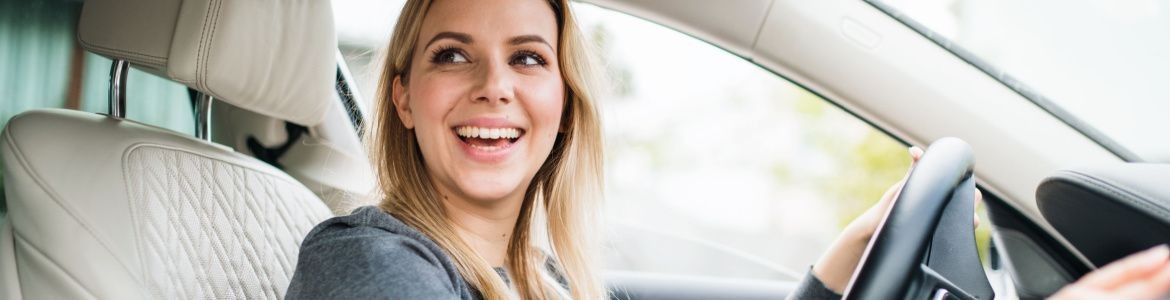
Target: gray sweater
[(369, 254)]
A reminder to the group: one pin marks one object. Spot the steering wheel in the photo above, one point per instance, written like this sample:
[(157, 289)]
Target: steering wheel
[(925, 245)]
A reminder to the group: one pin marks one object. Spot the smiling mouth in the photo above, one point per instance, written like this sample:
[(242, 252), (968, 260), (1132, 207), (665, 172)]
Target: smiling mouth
[(488, 139)]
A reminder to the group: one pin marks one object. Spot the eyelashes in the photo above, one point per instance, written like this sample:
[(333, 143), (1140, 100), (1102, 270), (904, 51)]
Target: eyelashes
[(527, 58), (449, 55)]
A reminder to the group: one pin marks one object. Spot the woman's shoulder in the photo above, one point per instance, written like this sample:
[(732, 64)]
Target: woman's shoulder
[(366, 223), (369, 233), (369, 253)]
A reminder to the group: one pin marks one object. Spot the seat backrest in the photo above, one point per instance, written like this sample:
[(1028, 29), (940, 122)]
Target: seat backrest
[(103, 207)]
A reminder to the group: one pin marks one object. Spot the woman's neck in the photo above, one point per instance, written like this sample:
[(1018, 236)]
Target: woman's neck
[(486, 228)]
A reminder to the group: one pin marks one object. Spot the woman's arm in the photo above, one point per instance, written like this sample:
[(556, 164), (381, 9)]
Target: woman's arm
[(836, 266), (1145, 275)]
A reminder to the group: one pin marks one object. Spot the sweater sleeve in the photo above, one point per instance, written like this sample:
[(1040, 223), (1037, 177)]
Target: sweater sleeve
[(811, 287), (365, 263)]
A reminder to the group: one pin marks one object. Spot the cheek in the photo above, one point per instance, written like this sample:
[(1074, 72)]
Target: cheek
[(430, 101), (545, 105)]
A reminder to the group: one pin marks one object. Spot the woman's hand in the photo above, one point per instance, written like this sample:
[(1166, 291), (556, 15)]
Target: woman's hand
[(1144, 275), (836, 266)]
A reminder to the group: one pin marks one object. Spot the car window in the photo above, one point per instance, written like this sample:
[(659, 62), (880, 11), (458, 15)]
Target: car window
[(715, 163), (715, 166), (42, 66), (1100, 65)]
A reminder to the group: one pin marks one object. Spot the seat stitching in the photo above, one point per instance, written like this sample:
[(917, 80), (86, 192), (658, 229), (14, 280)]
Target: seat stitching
[(266, 183), (265, 224), (24, 165), (224, 205), (19, 238), (189, 248), (280, 207), (214, 29), (225, 257), (217, 249), (282, 211), (157, 238), (160, 59), (199, 48), (1127, 196)]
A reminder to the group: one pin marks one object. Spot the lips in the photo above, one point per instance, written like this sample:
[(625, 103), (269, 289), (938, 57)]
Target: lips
[(488, 138)]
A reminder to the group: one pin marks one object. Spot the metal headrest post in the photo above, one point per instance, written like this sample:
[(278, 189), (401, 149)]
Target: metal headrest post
[(202, 111), (118, 74)]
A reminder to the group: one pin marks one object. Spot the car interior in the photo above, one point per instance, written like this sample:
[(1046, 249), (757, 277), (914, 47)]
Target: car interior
[(146, 212)]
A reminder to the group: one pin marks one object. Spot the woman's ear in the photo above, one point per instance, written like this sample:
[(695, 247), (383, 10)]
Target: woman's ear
[(401, 104)]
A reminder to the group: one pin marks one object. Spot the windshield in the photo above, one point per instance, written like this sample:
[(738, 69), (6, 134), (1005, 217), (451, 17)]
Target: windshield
[(1102, 64)]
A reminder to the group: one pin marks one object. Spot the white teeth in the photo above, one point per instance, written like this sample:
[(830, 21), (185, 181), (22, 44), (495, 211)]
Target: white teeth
[(487, 133)]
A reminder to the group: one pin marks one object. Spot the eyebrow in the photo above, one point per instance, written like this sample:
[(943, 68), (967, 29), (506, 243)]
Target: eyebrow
[(531, 38), (466, 39), (461, 37)]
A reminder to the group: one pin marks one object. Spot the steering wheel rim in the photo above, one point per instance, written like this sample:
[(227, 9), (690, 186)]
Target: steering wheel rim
[(924, 246)]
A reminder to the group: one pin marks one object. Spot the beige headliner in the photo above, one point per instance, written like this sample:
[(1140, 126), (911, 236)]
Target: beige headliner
[(860, 58)]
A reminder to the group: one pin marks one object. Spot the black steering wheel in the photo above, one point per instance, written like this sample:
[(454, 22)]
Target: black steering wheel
[(925, 245)]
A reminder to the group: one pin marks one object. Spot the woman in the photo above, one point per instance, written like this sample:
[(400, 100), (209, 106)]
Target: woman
[(487, 145)]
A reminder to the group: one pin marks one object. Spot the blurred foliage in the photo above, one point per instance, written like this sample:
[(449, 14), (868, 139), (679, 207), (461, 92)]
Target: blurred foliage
[(620, 79), (873, 165)]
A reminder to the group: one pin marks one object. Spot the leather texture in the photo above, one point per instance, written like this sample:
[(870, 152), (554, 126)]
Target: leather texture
[(9, 280), (114, 209), (1109, 211), (273, 57)]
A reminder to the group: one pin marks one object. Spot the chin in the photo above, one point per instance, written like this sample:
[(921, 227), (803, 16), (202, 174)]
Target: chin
[(491, 188)]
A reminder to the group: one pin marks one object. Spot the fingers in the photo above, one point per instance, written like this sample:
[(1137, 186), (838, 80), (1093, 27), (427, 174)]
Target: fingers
[(1135, 266), (1156, 285), (978, 201), (978, 198), (891, 193), (915, 154), (1079, 291)]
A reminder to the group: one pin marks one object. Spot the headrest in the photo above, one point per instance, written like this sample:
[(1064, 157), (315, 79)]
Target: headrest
[(274, 57), (1108, 211)]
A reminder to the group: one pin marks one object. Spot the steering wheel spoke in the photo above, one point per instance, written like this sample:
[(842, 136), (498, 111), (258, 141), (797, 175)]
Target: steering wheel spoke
[(925, 246)]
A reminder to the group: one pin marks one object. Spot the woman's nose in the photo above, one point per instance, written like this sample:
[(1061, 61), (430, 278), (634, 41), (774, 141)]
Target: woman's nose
[(495, 84)]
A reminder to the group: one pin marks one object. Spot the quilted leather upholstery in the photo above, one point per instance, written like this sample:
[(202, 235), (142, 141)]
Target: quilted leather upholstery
[(114, 209), (230, 230)]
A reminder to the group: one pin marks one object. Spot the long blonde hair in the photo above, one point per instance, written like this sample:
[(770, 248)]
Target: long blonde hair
[(567, 188)]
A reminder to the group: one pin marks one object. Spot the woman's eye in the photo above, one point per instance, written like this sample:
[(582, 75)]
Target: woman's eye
[(449, 56), (527, 59)]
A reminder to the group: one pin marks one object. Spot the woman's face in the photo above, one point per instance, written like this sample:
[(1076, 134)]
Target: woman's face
[(484, 96)]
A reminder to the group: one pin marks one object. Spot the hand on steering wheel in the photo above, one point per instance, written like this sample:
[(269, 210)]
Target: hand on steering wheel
[(924, 246)]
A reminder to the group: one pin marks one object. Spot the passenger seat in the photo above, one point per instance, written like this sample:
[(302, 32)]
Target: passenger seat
[(104, 207)]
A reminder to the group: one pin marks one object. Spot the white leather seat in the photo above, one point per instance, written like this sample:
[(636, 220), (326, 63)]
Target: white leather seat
[(101, 207)]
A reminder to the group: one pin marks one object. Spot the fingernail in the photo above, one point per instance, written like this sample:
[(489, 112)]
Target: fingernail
[(914, 150)]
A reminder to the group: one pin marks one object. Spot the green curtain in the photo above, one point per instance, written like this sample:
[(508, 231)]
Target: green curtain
[(37, 39), (36, 42)]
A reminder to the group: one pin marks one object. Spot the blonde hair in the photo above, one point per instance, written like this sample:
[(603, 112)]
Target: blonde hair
[(567, 188)]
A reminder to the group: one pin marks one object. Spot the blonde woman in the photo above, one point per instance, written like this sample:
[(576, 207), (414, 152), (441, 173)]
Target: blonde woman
[(487, 125)]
